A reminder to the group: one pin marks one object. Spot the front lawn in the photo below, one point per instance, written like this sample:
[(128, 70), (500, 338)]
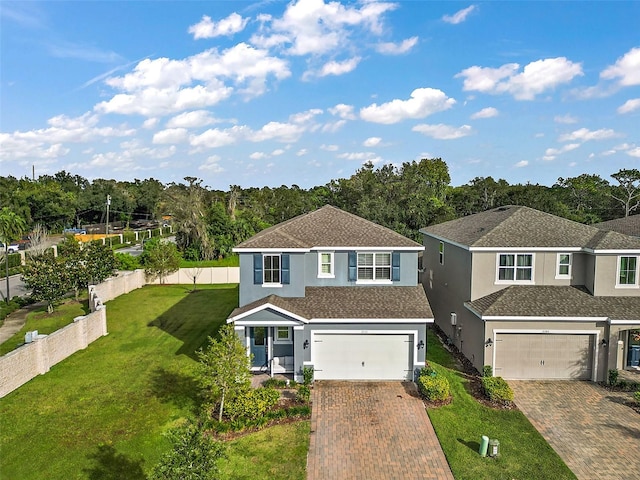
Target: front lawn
[(101, 412), (524, 454)]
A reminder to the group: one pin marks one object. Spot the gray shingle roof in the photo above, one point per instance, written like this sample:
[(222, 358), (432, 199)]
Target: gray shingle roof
[(327, 227), (517, 226), (555, 301), (627, 225), (352, 302)]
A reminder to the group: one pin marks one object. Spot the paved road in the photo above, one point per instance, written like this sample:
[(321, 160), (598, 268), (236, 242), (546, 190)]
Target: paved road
[(16, 286)]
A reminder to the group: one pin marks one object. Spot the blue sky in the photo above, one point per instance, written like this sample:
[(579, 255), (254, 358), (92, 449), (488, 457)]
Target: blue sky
[(273, 93)]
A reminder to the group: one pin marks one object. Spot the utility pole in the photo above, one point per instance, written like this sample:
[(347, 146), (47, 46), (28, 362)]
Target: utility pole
[(106, 230)]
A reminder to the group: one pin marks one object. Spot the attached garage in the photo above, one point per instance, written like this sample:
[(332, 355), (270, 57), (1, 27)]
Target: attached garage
[(544, 356), (362, 356)]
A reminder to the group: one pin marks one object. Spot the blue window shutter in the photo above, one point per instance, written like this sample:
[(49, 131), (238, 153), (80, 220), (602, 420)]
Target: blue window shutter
[(395, 266), (353, 266), (284, 268), (257, 269)]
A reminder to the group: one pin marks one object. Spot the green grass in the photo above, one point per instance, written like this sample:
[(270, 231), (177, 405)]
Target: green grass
[(46, 323), (277, 452), (524, 454), (230, 261), (101, 412)]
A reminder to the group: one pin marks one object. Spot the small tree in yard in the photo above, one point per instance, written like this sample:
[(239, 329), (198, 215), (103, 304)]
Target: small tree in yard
[(224, 369), (193, 456), (160, 258), (47, 279)]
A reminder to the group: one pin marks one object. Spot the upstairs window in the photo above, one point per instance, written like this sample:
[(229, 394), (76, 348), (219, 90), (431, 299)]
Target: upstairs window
[(374, 266), (564, 266), (325, 265), (441, 253), (515, 268), (628, 271), (271, 268)]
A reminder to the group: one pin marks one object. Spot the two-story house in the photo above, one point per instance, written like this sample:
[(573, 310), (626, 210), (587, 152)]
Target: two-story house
[(335, 292), (534, 295)]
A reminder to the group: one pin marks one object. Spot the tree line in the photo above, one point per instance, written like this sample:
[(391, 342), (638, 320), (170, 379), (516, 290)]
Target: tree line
[(404, 198)]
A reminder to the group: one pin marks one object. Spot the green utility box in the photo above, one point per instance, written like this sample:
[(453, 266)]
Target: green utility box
[(494, 447)]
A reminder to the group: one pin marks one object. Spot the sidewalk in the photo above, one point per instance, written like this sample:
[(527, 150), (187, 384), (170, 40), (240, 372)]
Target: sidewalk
[(14, 322)]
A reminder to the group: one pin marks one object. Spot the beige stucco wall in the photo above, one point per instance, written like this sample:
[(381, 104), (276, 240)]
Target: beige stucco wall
[(606, 278)]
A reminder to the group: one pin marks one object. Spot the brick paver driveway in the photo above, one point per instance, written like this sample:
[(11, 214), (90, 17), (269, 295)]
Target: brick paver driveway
[(372, 430), (593, 431)]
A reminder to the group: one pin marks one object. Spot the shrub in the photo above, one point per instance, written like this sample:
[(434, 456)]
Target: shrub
[(623, 385), (487, 371), (252, 404), (427, 371), (497, 389), (274, 383), (434, 387), (636, 397), (304, 393), (124, 261), (613, 377), (307, 375)]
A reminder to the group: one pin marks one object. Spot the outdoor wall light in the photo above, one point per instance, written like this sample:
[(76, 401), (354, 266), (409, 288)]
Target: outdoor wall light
[(305, 344), (420, 344), (488, 343), (604, 342)]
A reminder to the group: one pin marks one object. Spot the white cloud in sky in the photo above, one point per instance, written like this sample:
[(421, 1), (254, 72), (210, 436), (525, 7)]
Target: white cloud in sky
[(488, 112), (171, 135), (584, 135), (329, 148), (423, 102), (551, 153), (390, 48), (302, 152), (207, 28), (443, 132), (536, 77), (339, 68), (150, 123), (343, 111), (362, 157), (460, 16), (521, 164), (193, 119), (258, 156), (565, 119), (372, 142), (211, 164), (634, 152), (626, 69), (332, 127), (629, 106)]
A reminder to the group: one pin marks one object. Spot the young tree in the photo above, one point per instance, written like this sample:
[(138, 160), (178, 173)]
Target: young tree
[(160, 258), (628, 192), (100, 262), (11, 228), (46, 276), (193, 273), (224, 369), (193, 456)]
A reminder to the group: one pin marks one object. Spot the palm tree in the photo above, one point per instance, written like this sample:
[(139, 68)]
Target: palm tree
[(12, 227)]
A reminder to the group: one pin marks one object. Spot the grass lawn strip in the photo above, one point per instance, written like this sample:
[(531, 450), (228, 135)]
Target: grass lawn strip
[(524, 454)]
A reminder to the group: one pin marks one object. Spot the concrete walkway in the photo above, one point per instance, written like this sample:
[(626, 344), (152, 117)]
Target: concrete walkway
[(592, 429), (373, 431), (14, 322)]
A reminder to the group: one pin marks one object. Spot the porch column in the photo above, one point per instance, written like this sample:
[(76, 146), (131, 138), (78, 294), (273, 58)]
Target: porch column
[(298, 352)]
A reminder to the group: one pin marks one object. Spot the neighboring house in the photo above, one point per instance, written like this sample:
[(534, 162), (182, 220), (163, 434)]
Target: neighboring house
[(534, 295), (334, 292), (628, 225)]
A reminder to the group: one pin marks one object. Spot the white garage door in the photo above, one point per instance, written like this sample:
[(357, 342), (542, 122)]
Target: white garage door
[(543, 356), (362, 356)]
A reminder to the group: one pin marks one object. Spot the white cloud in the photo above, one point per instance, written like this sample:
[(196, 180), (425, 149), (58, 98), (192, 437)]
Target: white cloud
[(302, 152), (460, 16), (212, 165), (171, 135), (283, 132), (634, 152), (214, 137), (305, 117), (361, 157), (372, 142), (150, 123), (521, 164), (584, 135), (193, 119), (329, 148), (423, 102), (629, 106), (443, 132), (343, 111), (332, 127), (626, 69), (277, 152), (488, 112), (535, 78), (390, 48), (565, 119), (258, 156), (551, 153), (207, 28), (339, 68)]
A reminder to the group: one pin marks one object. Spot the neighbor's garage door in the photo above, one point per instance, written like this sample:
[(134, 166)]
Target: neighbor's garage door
[(543, 356), (362, 356)]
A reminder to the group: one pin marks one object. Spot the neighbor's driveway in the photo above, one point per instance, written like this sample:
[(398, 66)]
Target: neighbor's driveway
[(372, 430), (591, 429)]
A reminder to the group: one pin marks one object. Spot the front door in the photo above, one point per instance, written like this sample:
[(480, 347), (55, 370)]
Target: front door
[(633, 356), (259, 346)]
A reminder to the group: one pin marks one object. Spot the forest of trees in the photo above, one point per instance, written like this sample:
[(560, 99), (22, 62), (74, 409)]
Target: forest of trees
[(405, 198)]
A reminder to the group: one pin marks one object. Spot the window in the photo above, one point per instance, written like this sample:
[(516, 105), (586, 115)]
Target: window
[(515, 267), (283, 335), (564, 265), (628, 271), (374, 266), (325, 265), (441, 253), (271, 268)]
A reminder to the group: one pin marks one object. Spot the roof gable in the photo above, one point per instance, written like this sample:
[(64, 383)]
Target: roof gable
[(327, 227)]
